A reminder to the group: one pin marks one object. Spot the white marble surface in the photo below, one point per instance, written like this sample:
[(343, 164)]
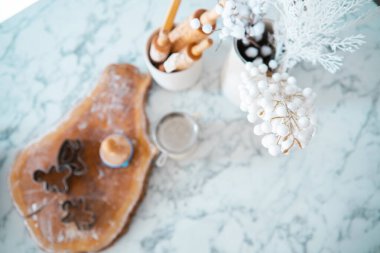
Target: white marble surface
[(231, 196)]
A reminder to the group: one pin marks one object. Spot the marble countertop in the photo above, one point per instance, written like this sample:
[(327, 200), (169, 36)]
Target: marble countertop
[(231, 196)]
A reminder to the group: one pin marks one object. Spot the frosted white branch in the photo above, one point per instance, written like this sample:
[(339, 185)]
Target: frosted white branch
[(309, 30)]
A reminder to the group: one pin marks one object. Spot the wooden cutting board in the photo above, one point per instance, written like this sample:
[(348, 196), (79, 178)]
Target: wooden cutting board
[(115, 106)]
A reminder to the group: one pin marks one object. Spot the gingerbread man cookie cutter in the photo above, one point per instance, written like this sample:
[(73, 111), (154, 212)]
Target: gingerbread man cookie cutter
[(78, 212), (69, 163), (55, 179)]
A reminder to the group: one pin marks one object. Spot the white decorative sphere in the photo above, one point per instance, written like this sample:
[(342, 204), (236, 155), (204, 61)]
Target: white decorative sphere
[(251, 52), (259, 28), (284, 76), (248, 66), (207, 28), (292, 80), (297, 101), (266, 103), (268, 140), (262, 84), (276, 77), (274, 150), (245, 41), (273, 64), (307, 92), (303, 122), (290, 89), (195, 23), (292, 106), (258, 61), (253, 91), (301, 111), (273, 88), (263, 68), (266, 127), (281, 111), (254, 71), (282, 130), (252, 109), (252, 117), (265, 51)]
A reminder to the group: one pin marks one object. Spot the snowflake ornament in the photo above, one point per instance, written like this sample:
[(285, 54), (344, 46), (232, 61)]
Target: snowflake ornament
[(282, 112)]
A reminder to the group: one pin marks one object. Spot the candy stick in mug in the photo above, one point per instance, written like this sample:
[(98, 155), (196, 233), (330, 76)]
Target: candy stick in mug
[(161, 45), (185, 58)]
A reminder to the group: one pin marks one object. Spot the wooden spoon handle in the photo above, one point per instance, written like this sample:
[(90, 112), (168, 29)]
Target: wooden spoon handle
[(162, 39), (198, 49), (170, 16)]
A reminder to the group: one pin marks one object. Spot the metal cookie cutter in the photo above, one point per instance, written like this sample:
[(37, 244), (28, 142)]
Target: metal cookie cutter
[(69, 163), (176, 136), (78, 212), (55, 179), (69, 153)]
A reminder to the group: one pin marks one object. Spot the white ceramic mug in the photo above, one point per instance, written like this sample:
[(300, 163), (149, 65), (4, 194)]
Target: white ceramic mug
[(175, 81)]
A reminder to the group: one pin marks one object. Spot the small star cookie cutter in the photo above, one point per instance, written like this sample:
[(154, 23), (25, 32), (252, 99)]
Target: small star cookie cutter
[(78, 212)]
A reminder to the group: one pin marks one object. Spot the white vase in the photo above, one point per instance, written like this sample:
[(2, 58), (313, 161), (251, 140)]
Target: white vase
[(233, 67), (231, 71)]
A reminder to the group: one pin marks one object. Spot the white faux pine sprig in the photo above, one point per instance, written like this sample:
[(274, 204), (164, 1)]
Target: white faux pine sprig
[(279, 109), (309, 30)]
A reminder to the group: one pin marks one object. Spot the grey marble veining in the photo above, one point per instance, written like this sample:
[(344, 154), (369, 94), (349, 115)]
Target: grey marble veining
[(231, 196)]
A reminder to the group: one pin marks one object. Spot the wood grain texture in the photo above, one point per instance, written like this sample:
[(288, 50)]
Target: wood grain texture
[(115, 106)]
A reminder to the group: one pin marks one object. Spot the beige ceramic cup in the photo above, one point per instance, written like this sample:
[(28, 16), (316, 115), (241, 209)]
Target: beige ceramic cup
[(176, 81)]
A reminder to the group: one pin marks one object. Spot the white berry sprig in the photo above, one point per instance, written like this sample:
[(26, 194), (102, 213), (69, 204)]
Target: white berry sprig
[(281, 111), (242, 19)]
